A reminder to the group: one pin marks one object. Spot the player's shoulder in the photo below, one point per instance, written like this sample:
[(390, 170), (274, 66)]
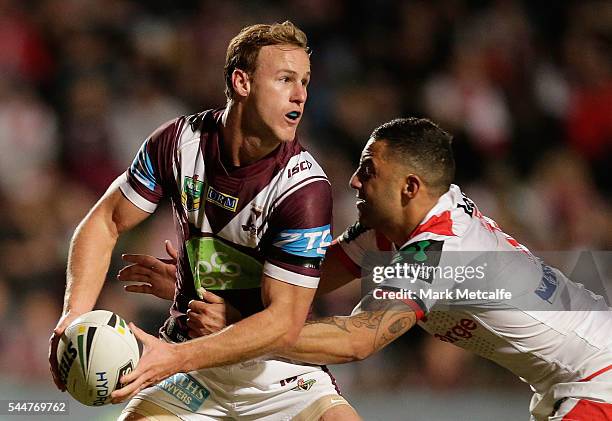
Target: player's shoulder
[(297, 163), (299, 173), (448, 224)]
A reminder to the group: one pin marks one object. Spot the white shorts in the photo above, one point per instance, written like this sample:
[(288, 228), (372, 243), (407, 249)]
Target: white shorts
[(204, 395)]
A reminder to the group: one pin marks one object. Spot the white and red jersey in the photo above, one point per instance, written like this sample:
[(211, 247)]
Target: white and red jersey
[(271, 217), (553, 333)]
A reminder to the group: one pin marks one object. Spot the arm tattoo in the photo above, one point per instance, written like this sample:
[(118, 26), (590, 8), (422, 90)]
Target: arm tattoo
[(366, 319)]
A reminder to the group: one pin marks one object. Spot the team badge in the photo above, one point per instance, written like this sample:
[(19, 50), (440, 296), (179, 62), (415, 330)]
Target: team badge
[(251, 225), (304, 386), (192, 192)]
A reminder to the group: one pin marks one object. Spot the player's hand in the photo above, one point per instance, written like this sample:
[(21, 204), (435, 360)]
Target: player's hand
[(155, 276), (159, 360), (209, 315), (62, 324)]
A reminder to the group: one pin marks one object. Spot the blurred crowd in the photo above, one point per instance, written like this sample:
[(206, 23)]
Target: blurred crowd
[(524, 87)]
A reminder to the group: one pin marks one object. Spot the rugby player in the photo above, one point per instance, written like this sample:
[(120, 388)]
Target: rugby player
[(551, 332), (253, 214)]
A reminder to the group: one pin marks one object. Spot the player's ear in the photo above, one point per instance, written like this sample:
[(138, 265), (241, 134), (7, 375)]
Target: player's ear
[(411, 187), (241, 82)]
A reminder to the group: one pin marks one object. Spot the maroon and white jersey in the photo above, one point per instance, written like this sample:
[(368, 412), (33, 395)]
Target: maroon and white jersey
[(550, 331), (271, 217)]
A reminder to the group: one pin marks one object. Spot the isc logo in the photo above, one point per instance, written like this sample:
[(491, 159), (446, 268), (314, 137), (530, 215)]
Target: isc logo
[(300, 166)]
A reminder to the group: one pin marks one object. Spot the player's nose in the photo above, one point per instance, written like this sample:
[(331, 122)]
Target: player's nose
[(354, 181), (299, 94)]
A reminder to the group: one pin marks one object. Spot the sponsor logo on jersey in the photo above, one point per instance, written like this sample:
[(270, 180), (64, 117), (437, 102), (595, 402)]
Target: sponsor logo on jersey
[(548, 284), (191, 194), (186, 389), (468, 205), (461, 330), (305, 242), (221, 199), (300, 166), (216, 265)]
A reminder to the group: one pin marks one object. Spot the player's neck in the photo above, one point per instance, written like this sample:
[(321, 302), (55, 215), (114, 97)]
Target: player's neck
[(413, 215), (241, 148)]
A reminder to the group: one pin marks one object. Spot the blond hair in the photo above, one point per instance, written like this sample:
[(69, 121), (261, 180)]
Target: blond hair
[(244, 48)]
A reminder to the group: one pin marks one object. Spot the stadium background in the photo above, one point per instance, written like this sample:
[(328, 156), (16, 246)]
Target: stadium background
[(525, 87)]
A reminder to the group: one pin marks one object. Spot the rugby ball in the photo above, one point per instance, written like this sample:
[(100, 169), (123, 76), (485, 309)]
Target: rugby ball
[(93, 353)]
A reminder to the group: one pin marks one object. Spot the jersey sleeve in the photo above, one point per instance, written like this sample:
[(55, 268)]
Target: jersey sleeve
[(145, 179), (299, 234), (361, 249)]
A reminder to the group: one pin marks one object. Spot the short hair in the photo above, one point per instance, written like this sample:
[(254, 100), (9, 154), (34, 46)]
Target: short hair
[(243, 49), (423, 146)]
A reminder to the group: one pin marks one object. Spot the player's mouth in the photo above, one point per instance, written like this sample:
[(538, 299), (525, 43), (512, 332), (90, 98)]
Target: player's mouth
[(360, 202), (293, 116)]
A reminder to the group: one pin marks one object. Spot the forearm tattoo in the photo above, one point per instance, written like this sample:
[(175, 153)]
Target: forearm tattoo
[(384, 322)]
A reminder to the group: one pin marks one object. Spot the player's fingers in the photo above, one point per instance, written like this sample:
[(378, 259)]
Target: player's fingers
[(215, 312), (194, 320), (172, 252), (129, 390), (144, 260), (141, 335), (211, 298), (53, 365), (197, 306), (134, 277), (133, 270), (141, 289)]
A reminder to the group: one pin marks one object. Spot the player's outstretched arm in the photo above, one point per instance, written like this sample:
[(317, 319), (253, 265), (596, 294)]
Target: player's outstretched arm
[(342, 339), (149, 274), (89, 257), (268, 331)]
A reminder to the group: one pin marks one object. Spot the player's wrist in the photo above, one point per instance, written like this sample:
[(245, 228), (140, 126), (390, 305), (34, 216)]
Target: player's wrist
[(185, 355)]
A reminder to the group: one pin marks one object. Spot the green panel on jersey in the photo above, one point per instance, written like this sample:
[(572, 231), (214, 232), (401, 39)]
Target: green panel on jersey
[(216, 265)]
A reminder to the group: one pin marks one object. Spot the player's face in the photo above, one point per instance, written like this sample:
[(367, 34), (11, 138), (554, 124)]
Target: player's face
[(378, 185), (278, 91)]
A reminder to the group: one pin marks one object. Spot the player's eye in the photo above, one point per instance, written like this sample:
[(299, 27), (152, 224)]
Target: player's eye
[(365, 171)]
